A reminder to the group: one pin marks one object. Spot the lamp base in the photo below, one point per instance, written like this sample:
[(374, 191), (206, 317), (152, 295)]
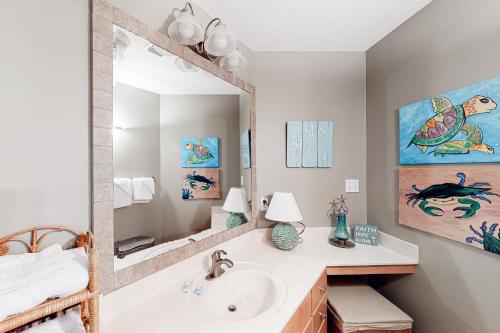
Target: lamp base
[(235, 219), (285, 237), (347, 244)]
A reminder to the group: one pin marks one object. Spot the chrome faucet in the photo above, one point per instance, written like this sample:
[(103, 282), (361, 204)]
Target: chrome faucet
[(216, 270)]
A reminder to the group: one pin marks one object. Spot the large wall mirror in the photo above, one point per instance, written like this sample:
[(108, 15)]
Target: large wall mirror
[(180, 143), (181, 153)]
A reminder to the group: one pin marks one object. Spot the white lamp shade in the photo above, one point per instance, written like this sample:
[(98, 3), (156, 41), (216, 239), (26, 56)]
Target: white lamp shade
[(233, 62), (236, 201), (220, 41), (185, 29), (283, 208)]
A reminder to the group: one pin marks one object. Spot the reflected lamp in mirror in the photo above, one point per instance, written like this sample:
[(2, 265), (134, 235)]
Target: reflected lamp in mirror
[(184, 29), (236, 205), (283, 209)]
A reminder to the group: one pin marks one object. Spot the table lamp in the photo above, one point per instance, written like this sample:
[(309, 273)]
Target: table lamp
[(283, 209), (237, 205)]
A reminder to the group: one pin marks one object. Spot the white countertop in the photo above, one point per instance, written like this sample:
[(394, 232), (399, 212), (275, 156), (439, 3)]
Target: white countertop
[(156, 304)]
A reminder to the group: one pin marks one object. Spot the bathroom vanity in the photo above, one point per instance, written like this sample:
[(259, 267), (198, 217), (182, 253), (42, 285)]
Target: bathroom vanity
[(287, 288)]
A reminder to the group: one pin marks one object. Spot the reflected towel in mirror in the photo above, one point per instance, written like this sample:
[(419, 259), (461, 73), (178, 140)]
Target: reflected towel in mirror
[(122, 196), (144, 189)]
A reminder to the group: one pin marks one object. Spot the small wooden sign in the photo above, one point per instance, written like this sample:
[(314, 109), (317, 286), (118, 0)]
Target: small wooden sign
[(366, 234)]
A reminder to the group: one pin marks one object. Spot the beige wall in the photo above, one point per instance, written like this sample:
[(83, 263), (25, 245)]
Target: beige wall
[(447, 45), (311, 86), (136, 153), (44, 124)]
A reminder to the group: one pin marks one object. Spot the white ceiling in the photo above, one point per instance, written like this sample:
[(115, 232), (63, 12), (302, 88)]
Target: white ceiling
[(142, 69), (311, 25)]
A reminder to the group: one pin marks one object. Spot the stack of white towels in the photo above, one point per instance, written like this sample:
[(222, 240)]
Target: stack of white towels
[(133, 191), (67, 323), (27, 280)]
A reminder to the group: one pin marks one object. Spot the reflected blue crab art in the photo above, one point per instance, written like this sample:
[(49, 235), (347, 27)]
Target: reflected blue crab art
[(467, 196), (486, 237), (194, 180)]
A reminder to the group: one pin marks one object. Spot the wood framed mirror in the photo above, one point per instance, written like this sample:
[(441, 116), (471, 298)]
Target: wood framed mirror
[(185, 202)]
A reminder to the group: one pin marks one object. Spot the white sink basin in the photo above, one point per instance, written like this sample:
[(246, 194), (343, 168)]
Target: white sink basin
[(246, 292)]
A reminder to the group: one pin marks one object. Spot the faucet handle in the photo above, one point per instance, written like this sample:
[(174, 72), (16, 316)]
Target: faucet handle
[(217, 254)]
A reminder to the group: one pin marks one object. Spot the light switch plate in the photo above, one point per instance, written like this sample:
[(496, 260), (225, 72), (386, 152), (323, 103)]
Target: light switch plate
[(352, 185)]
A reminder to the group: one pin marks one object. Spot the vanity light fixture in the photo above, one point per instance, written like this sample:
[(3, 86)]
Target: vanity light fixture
[(219, 41), (185, 29), (217, 44), (233, 62), (185, 66), (120, 44)]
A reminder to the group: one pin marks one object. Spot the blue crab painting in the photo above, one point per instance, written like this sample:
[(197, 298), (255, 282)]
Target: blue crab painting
[(486, 237), (452, 202), (468, 196), (194, 180), (200, 184)]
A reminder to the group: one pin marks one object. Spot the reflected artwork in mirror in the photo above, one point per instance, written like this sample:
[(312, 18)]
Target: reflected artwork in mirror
[(177, 150)]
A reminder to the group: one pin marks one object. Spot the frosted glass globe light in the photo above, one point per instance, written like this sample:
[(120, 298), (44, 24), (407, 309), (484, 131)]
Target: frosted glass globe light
[(220, 41), (234, 61), (184, 29)]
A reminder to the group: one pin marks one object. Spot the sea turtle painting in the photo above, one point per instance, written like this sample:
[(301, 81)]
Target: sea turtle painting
[(460, 126), (440, 132), (200, 152)]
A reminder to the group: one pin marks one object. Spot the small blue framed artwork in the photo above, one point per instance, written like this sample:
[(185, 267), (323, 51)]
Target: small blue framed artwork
[(309, 144), (461, 126), (200, 152), (245, 149)]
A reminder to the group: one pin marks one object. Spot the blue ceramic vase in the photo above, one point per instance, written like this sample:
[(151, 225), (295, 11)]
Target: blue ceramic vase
[(341, 231)]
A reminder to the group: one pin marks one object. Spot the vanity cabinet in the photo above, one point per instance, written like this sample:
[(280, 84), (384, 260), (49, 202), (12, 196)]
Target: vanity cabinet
[(311, 315)]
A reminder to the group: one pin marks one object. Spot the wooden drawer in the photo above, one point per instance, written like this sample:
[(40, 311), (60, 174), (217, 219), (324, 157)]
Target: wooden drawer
[(309, 327), (318, 291), (320, 315), (301, 317), (323, 328)]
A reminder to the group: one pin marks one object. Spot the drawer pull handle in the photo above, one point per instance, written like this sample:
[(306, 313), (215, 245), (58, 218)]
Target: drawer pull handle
[(321, 289), (323, 315)]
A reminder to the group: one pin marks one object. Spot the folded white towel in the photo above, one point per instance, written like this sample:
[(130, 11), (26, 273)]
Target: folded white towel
[(144, 189), (67, 323), (122, 192), (29, 279)]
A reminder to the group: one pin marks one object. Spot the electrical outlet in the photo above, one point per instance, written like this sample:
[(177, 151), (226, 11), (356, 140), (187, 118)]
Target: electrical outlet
[(352, 185), (264, 203)]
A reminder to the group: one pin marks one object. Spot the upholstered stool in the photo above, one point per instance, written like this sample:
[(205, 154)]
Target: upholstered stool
[(359, 308)]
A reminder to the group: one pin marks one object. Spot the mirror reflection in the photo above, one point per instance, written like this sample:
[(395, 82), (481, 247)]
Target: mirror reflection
[(181, 151)]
